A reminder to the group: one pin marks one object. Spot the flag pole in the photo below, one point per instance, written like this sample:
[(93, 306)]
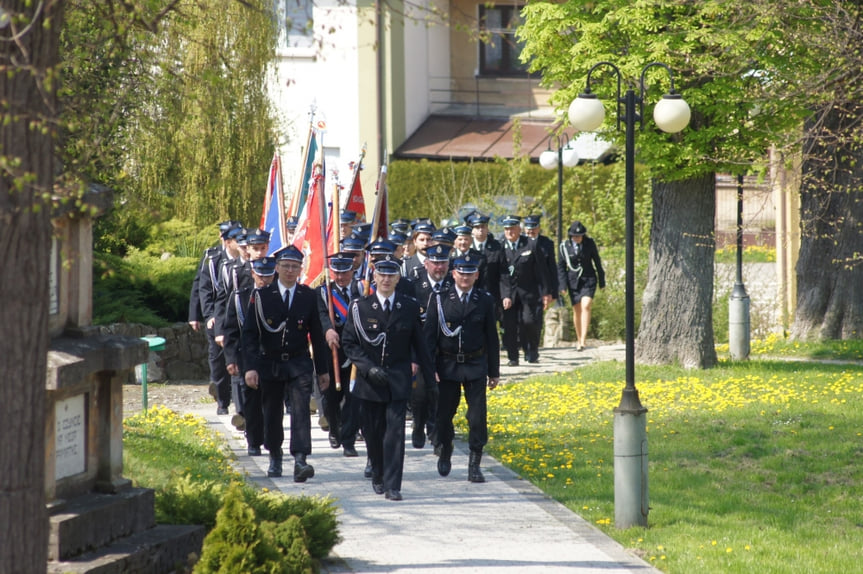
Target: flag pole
[(336, 232)]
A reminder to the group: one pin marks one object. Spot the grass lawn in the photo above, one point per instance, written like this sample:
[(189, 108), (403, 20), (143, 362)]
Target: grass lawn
[(753, 466)]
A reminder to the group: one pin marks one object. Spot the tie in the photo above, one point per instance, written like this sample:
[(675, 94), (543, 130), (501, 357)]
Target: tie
[(512, 246), (464, 298), (436, 287), (387, 308)]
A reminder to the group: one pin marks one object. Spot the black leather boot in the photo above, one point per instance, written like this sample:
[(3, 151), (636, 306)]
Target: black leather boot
[(275, 469), (474, 474), (444, 463), (302, 471)]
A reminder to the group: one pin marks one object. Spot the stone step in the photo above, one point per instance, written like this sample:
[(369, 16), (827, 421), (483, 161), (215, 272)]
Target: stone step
[(163, 549), (88, 522)]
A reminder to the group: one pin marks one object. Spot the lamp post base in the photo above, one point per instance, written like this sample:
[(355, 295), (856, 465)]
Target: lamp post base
[(738, 324), (631, 501)]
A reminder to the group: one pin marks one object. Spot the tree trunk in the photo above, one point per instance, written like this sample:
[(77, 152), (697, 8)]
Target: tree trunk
[(26, 183), (830, 267), (677, 314)]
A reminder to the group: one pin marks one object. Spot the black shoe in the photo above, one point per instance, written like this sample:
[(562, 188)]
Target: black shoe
[(350, 451), (378, 487), (334, 439), (474, 474), (222, 411), (275, 470), (533, 361), (444, 463), (303, 471), (393, 494), (418, 438), (368, 470), (254, 451), (512, 363)]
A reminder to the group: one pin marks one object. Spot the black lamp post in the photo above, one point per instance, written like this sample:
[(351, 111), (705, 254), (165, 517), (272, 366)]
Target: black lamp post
[(738, 302), (565, 155), (671, 114)]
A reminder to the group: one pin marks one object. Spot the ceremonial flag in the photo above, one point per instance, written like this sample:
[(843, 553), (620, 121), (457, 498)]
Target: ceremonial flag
[(298, 201), (355, 202), (308, 238), (273, 216)]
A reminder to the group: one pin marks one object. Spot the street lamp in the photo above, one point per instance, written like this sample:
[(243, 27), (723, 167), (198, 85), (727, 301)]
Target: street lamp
[(671, 115), (738, 302), (549, 159)]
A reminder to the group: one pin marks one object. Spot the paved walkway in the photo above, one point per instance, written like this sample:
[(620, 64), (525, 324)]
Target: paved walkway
[(449, 525)]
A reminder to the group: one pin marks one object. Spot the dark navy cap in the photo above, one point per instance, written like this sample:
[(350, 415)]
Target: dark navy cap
[(226, 225), (362, 230), (264, 266), (511, 221), (439, 252), (341, 262), (347, 216), (531, 221), (289, 253), (234, 232), (400, 225), (463, 230), (388, 265), (353, 244), (397, 238), (382, 247), (577, 229), (424, 226), (243, 237), (443, 235), (466, 264), (291, 223), (257, 237), (477, 219)]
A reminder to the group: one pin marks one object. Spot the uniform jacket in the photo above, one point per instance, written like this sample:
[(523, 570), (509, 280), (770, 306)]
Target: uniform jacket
[(195, 313), (474, 352), (493, 252), (584, 258), (371, 339), (524, 273), (236, 274), (276, 339), (423, 289), (232, 328), (546, 245), (208, 281), (340, 311)]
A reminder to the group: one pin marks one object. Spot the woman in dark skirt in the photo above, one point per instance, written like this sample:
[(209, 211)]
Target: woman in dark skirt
[(579, 271)]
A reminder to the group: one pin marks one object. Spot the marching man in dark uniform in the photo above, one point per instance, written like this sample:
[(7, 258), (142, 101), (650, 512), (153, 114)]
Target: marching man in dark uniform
[(249, 400), (524, 284), (341, 408), (462, 333), (432, 278), (383, 338), (280, 320)]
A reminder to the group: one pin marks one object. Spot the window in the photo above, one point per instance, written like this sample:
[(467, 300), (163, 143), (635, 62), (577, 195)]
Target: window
[(294, 18), (499, 53)]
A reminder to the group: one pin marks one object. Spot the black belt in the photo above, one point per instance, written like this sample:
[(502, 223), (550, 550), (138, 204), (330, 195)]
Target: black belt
[(462, 357), (286, 356)]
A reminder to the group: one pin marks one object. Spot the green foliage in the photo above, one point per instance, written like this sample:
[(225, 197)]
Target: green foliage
[(732, 64), (141, 288), (166, 102), (180, 238), (237, 543), (250, 530)]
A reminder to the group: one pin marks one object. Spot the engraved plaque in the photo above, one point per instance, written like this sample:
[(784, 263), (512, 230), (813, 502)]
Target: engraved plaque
[(70, 436)]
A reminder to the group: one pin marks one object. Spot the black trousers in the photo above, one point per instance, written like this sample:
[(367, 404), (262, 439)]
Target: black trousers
[(254, 414), (273, 393), (342, 409), (384, 433), (424, 408), (218, 371), (477, 412), (522, 325)]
